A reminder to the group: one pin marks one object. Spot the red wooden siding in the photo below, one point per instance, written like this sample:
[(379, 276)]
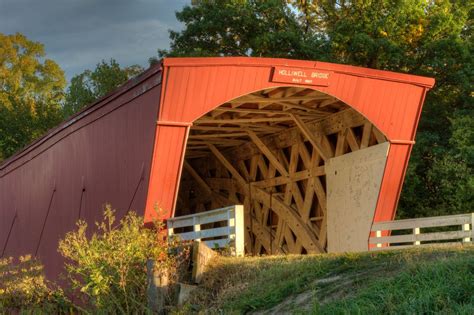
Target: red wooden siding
[(169, 152), (101, 155)]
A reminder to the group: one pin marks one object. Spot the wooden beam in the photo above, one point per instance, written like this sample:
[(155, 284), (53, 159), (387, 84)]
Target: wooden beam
[(251, 111), (241, 121), (266, 151), (217, 135), (328, 102), (307, 133), (284, 211), (263, 234), (306, 109), (222, 129), (283, 180), (247, 99), (341, 143), (352, 140), (288, 136), (221, 200), (378, 135), (224, 142), (292, 218), (364, 143), (227, 164), (201, 182)]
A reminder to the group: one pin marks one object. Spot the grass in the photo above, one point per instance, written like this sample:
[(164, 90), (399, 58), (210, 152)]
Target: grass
[(415, 281)]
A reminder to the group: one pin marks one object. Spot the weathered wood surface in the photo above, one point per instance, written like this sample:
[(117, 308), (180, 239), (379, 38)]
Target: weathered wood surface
[(202, 256), (353, 185), (158, 288)]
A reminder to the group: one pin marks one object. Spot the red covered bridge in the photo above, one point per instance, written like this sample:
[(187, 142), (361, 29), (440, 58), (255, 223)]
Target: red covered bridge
[(316, 152)]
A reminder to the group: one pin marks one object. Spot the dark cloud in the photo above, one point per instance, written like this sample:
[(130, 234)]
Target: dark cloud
[(79, 33)]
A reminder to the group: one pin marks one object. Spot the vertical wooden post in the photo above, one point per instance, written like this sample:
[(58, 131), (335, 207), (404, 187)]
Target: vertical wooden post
[(239, 230), (157, 288), (416, 231), (197, 227), (230, 224), (378, 234), (465, 227), (170, 230)]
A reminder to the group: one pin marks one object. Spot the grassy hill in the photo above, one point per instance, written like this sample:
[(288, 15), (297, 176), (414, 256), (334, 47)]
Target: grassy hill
[(416, 281)]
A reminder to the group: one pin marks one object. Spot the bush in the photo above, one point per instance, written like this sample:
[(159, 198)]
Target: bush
[(24, 289), (109, 268)]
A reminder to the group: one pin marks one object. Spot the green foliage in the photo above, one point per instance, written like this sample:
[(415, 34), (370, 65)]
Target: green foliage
[(109, 267), (24, 289), (240, 28), (431, 38), (31, 92), (90, 85)]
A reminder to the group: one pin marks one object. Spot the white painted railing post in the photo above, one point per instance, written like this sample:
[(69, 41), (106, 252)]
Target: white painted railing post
[(466, 228), (239, 230), (196, 227), (170, 229), (416, 231), (378, 234), (230, 221)]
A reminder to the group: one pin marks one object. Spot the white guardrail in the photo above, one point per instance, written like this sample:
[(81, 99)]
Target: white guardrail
[(201, 227), (382, 239)]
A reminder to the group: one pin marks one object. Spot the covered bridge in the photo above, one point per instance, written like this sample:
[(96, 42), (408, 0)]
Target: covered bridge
[(316, 152)]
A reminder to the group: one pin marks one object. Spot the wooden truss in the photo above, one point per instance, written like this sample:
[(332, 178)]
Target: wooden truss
[(267, 151)]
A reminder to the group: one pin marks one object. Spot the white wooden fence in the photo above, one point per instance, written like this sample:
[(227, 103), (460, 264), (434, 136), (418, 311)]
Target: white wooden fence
[(463, 234), (230, 233)]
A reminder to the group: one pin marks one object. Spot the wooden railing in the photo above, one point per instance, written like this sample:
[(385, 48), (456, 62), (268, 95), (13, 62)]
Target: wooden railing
[(200, 227), (383, 240)]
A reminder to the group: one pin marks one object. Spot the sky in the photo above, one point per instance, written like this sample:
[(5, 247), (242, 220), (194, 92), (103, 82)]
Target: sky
[(78, 34)]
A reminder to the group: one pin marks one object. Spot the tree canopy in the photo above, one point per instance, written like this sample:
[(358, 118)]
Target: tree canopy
[(90, 85), (431, 38), (31, 92)]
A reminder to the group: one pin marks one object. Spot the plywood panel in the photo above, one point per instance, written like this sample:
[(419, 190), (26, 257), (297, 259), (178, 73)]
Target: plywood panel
[(353, 186)]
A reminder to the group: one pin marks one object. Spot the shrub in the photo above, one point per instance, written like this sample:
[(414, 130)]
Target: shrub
[(109, 267), (24, 289)]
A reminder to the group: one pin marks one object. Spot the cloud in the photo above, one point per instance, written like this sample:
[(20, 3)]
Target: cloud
[(78, 34)]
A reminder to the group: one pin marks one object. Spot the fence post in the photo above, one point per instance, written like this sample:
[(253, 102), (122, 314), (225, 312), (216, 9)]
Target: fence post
[(170, 229), (378, 234), (466, 228), (239, 230), (157, 288), (196, 227), (230, 221), (416, 231)]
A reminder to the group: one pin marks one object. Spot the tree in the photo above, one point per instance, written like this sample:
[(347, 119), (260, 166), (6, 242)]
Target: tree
[(90, 85), (31, 92), (241, 28), (431, 38)]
